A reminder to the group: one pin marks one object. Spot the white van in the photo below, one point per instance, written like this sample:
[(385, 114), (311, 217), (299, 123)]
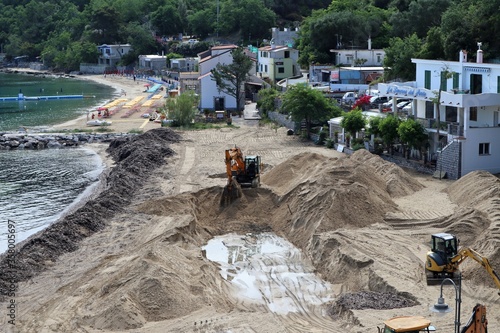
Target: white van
[(349, 97)]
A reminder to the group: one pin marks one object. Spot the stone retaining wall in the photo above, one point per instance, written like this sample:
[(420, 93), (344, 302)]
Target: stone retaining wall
[(9, 141)]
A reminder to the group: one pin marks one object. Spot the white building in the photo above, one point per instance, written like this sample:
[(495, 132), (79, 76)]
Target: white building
[(110, 55), (359, 57), (211, 97), (152, 62), (469, 111)]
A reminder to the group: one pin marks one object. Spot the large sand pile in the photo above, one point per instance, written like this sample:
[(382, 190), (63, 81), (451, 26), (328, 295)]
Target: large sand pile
[(144, 270)]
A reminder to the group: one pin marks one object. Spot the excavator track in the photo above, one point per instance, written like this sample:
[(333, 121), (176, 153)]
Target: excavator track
[(434, 278)]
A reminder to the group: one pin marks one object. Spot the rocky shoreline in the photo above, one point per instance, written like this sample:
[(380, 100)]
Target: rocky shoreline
[(38, 141), (133, 161)]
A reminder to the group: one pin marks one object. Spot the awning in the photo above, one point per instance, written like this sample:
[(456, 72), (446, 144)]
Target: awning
[(477, 69)]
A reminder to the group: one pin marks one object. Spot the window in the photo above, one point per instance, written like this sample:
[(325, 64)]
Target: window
[(484, 148), (429, 110), (473, 113), (287, 54), (281, 70), (476, 84), (451, 114), (455, 80), (443, 82), (349, 59), (427, 83), (265, 68)]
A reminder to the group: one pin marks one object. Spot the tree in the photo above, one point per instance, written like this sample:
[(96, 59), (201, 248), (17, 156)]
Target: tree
[(374, 126), (412, 134), (305, 103), (353, 122), (433, 47), (166, 19), (389, 130), (398, 57), (419, 18), (266, 100), (230, 78), (182, 109)]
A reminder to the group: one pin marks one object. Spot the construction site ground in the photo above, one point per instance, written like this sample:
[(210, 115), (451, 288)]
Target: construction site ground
[(328, 243)]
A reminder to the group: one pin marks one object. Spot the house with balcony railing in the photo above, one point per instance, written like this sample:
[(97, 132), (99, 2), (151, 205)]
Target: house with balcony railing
[(110, 55), (464, 124)]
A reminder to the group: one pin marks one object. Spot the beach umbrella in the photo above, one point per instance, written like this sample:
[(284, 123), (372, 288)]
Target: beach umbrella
[(102, 108), (147, 85)]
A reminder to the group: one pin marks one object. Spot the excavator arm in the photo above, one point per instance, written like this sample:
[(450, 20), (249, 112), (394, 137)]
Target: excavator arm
[(477, 322), (470, 253), (235, 162)]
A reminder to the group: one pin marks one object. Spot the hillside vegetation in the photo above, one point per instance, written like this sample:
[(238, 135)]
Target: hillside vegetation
[(64, 33)]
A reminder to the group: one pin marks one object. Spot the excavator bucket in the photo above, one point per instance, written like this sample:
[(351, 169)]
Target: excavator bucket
[(231, 193)]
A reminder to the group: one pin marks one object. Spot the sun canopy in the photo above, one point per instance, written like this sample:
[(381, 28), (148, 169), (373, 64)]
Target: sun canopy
[(407, 323)]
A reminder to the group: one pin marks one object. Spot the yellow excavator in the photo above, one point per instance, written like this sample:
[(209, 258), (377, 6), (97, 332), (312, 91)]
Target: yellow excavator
[(242, 171), (444, 259), (477, 323)]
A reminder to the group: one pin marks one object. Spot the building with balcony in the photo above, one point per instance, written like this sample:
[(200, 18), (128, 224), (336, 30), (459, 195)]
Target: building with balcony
[(110, 55), (467, 96), (277, 62)]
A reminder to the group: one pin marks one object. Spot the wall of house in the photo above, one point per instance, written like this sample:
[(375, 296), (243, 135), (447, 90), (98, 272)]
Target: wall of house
[(285, 36), (449, 160), (474, 161), (372, 57), (209, 91)]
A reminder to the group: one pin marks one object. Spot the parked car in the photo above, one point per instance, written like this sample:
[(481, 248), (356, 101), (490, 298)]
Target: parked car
[(349, 97), (406, 108), (402, 104), (375, 101), (388, 104)]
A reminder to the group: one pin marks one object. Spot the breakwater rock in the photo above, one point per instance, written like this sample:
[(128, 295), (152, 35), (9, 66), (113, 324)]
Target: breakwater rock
[(9, 141)]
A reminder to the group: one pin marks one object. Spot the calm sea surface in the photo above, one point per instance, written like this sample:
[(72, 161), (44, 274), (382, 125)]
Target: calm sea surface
[(36, 187)]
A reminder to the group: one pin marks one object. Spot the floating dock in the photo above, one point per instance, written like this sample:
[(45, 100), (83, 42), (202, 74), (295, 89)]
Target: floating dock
[(21, 97)]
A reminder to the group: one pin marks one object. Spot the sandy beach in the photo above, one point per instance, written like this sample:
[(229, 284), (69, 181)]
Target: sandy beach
[(362, 226), (128, 107)]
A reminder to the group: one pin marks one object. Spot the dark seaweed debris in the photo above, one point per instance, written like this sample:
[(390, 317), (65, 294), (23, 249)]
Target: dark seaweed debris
[(135, 157)]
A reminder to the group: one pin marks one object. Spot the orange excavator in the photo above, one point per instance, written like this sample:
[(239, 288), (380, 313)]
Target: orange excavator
[(242, 171)]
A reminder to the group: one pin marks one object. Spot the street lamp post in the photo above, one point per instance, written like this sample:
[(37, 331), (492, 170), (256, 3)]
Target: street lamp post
[(442, 307)]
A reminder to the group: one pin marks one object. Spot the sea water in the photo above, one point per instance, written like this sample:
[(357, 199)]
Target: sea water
[(37, 187), (43, 113)]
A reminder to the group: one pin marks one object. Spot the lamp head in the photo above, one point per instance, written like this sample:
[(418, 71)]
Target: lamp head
[(440, 307)]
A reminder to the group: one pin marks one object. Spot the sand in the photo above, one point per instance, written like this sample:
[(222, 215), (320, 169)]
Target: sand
[(125, 118), (363, 224)]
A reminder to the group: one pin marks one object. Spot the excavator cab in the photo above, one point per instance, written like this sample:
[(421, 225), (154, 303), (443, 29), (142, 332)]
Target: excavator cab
[(446, 245), (439, 265), (251, 175)]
